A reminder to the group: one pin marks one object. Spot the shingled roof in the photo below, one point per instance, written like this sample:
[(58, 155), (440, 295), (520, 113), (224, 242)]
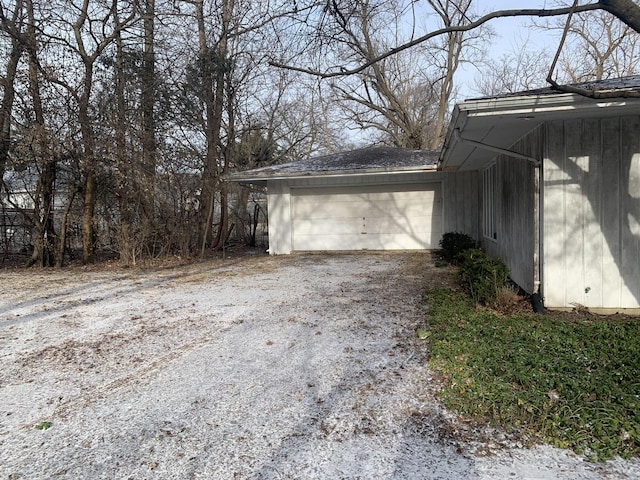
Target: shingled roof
[(617, 85), (364, 160)]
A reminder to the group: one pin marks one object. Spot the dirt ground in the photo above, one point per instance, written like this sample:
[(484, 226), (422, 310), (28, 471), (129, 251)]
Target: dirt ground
[(303, 366)]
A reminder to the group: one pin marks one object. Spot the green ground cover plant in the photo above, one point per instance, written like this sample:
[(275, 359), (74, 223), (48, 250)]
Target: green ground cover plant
[(572, 380)]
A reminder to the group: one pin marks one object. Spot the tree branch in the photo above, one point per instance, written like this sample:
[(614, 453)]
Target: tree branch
[(565, 32), (625, 10), (342, 72)]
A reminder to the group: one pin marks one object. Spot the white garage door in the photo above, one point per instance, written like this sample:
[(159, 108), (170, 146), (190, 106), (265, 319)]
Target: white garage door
[(379, 217)]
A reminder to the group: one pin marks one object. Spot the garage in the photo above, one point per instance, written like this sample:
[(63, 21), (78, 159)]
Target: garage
[(376, 198), (369, 217)]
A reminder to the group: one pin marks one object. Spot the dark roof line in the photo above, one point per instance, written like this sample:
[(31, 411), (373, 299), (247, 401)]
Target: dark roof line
[(621, 84), (363, 160)]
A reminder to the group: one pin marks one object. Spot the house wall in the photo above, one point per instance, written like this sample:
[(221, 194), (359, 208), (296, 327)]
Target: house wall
[(279, 206), (279, 198), (515, 203), (461, 202), (592, 213)]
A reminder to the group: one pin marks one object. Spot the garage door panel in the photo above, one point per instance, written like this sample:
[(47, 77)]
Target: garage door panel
[(353, 197), (376, 225), (414, 224), (414, 209), (337, 226), (364, 242), (379, 217), (330, 207)]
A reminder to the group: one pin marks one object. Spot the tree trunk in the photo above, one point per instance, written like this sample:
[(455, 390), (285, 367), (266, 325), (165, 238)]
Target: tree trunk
[(47, 180), (86, 131), (147, 101), (225, 230), (454, 47), (8, 98), (126, 240), (213, 94), (62, 237), (7, 105), (254, 229), (242, 215), (44, 251)]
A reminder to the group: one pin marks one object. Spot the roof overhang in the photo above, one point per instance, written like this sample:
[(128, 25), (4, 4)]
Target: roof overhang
[(500, 122)]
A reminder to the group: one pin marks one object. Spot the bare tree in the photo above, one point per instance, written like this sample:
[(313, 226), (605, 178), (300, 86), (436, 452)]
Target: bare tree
[(92, 109), (11, 30), (452, 13), (404, 97), (11, 23), (214, 67), (596, 47), (147, 103), (44, 244), (93, 31), (36, 132), (627, 11), (522, 69)]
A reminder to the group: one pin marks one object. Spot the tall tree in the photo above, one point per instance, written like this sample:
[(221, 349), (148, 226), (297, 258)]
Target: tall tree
[(44, 242), (391, 96), (90, 43), (127, 244), (524, 68), (596, 47), (451, 13), (404, 96), (214, 67), (627, 11), (147, 103), (11, 23)]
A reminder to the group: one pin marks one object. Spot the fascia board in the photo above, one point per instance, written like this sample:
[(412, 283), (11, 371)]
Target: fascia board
[(458, 119), (520, 105), (342, 173)]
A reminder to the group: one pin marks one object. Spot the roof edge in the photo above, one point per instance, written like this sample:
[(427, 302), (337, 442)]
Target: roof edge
[(238, 177), (524, 106)]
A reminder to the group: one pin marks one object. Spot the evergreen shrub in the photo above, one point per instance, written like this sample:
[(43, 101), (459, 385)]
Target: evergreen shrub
[(483, 276), (453, 244)]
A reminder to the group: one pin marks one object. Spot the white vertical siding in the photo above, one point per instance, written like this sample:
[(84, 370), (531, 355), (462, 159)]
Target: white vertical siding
[(630, 211), (489, 186), (279, 206), (591, 168), (514, 211), (461, 202), (591, 201), (610, 203), (554, 179)]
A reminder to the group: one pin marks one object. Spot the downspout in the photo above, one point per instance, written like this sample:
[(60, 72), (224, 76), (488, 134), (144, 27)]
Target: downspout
[(537, 300), (536, 297)]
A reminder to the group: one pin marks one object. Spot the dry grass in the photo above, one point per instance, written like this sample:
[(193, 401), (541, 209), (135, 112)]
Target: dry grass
[(510, 302)]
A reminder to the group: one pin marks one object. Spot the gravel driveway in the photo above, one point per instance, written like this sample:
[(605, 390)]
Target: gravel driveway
[(301, 367)]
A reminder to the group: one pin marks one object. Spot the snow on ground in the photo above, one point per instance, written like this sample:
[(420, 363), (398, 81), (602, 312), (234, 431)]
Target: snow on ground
[(303, 366)]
